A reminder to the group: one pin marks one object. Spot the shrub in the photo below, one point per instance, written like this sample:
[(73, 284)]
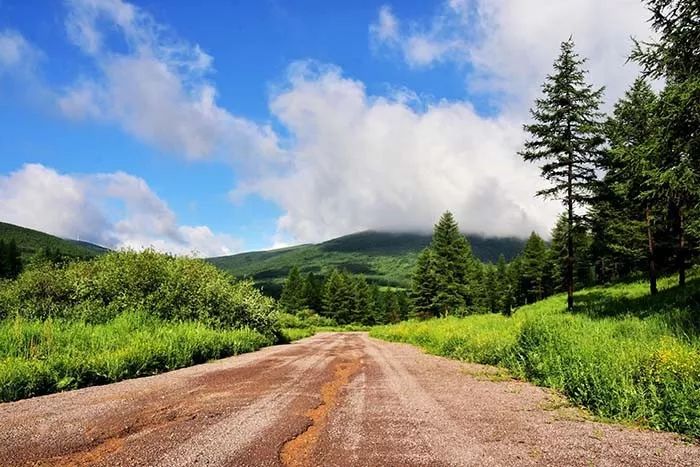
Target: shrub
[(169, 288)]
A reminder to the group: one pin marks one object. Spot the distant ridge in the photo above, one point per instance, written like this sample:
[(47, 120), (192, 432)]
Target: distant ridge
[(385, 258), (30, 241)]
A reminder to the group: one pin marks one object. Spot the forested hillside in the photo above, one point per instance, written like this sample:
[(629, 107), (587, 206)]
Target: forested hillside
[(384, 258), (31, 241)]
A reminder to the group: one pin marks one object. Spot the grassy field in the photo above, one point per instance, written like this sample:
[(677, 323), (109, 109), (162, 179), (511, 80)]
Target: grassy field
[(383, 258), (42, 357), (623, 354)]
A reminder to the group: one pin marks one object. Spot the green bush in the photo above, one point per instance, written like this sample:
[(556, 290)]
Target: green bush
[(619, 355), (166, 287), (304, 319)]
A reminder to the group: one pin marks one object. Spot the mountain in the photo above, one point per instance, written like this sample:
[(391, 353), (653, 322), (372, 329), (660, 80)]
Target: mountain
[(385, 258), (30, 241)]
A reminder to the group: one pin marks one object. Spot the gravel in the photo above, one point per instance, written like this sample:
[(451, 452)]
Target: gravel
[(332, 399)]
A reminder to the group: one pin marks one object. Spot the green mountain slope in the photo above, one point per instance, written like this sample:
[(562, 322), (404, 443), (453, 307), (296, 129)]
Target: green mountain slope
[(384, 258), (30, 241)]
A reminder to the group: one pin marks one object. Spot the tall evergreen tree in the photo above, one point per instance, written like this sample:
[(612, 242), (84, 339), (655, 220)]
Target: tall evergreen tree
[(393, 307), (491, 290), (404, 304), (534, 274), (504, 287), (363, 306), (675, 53), (566, 138), (313, 292), (626, 209), (378, 307), (425, 285), (292, 298), (477, 288), (675, 56), (453, 264), (333, 300)]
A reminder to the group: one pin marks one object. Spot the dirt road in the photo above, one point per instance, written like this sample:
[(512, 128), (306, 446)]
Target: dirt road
[(333, 399)]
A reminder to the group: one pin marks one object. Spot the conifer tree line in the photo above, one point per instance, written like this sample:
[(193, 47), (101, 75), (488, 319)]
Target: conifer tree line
[(343, 297), (450, 280), (629, 183)]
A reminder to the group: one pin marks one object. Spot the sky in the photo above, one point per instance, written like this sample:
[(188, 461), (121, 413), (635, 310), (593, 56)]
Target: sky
[(210, 128)]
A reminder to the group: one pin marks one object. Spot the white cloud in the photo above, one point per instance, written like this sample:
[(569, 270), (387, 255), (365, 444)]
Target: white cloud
[(15, 51), (371, 162), (116, 210), (510, 44), (352, 160), (387, 26), (156, 90)]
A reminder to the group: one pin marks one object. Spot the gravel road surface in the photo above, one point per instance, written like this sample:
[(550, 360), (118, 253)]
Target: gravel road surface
[(335, 399)]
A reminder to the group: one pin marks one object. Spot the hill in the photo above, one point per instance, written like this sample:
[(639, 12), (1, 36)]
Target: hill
[(385, 258), (31, 241)]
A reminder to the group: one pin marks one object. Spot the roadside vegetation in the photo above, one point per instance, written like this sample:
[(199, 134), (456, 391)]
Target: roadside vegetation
[(622, 353), (629, 184), (121, 315)]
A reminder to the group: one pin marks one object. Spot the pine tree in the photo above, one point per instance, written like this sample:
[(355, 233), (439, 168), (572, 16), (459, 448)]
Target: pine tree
[(453, 265), (425, 286), (378, 307), (491, 288), (313, 292), (393, 308), (675, 56), (517, 293), (533, 272), (404, 304), (333, 295), (624, 213), (504, 288), (567, 140), (477, 288), (363, 301), (292, 298)]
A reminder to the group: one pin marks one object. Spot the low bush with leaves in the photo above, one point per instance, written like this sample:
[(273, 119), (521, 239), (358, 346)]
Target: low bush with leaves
[(166, 287)]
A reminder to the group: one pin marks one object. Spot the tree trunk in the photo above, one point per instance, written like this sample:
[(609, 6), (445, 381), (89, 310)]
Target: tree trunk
[(652, 260)]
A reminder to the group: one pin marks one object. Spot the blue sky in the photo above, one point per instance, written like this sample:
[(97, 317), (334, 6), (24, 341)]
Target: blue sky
[(224, 126)]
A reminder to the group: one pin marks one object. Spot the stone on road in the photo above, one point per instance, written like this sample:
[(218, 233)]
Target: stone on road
[(335, 399)]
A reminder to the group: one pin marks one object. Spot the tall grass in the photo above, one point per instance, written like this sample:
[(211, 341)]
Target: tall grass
[(122, 315), (41, 357), (623, 354)]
